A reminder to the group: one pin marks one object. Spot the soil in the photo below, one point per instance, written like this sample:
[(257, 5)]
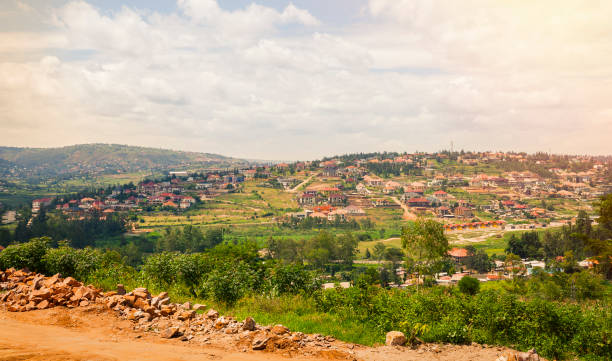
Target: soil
[(95, 333)]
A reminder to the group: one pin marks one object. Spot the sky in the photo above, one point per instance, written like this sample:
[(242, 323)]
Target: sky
[(274, 79)]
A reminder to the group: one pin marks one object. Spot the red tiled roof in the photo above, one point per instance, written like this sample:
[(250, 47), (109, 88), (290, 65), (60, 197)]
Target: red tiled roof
[(458, 252)]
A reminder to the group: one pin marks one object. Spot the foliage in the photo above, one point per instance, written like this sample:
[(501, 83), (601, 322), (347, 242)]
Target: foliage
[(469, 285), (25, 255), (426, 243)]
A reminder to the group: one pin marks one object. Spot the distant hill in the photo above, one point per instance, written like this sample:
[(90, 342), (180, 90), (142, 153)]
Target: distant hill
[(103, 158)]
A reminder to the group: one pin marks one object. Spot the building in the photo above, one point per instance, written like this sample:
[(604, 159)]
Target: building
[(37, 204)]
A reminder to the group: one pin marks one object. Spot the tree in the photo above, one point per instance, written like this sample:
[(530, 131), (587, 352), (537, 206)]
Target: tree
[(469, 285), (393, 254), (346, 248), (426, 242), (367, 253), (379, 251)]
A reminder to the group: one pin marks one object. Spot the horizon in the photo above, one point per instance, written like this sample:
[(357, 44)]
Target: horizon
[(322, 157), (305, 79)]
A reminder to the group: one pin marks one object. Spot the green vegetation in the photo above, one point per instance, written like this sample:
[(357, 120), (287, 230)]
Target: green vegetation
[(233, 278)]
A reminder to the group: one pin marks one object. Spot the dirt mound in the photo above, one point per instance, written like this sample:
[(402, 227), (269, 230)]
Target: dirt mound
[(92, 325)]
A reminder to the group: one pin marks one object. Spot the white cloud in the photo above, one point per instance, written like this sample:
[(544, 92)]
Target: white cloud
[(268, 83)]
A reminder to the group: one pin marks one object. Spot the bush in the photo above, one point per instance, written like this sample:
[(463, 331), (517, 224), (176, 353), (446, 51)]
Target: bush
[(469, 285), (26, 255), (77, 263)]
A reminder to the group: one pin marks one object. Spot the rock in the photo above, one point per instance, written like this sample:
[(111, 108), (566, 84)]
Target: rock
[(163, 301), (221, 323), (279, 330), (260, 342), (199, 307), (69, 281), (130, 300), (154, 301), (186, 315), (120, 289), (42, 305), (43, 293), (395, 338), (51, 280), (186, 305), (141, 303), (249, 324), (212, 314), (169, 332), (84, 303), (162, 295)]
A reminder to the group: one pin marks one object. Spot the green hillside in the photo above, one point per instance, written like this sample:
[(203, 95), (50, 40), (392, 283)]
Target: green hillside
[(103, 158)]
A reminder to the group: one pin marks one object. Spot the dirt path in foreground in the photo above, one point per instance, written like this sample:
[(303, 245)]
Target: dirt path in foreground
[(95, 334)]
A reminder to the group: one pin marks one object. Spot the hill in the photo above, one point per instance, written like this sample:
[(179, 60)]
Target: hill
[(103, 159)]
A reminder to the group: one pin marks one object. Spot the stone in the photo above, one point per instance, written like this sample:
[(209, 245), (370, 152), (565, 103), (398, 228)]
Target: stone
[(186, 315), (162, 295), (130, 299), (395, 338), (69, 281), (121, 289), (42, 305), (141, 303), (141, 294), (163, 301), (169, 332), (249, 324), (199, 307), (43, 293), (154, 301), (84, 303), (279, 330), (51, 280), (212, 314), (186, 305), (260, 342), (221, 323)]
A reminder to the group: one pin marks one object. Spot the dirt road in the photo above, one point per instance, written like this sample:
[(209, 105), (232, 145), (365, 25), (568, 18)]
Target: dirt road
[(407, 212), (93, 333)]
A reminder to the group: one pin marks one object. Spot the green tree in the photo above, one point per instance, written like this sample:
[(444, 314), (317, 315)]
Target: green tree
[(469, 285), (379, 251), (426, 243)]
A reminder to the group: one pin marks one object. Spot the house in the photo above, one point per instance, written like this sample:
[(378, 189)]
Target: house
[(391, 187), (381, 202), (170, 204), (337, 214), (463, 212), (444, 212), (9, 217), (458, 254), (419, 186), (418, 202), (307, 199), (249, 173), (440, 194), (37, 204), (336, 198), (373, 181), (330, 171)]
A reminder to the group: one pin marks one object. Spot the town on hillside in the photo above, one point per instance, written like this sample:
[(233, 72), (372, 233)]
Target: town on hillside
[(474, 195)]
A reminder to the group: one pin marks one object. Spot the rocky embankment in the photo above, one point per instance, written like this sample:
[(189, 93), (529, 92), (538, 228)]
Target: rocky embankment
[(27, 291)]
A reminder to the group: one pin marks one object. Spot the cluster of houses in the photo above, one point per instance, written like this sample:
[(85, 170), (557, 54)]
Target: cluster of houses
[(506, 195)]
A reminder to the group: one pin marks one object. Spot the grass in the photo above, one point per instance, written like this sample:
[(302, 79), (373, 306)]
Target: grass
[(361, 248)]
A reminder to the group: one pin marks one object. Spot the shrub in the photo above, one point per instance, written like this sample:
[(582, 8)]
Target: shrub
[(469, 285), (26, 255)]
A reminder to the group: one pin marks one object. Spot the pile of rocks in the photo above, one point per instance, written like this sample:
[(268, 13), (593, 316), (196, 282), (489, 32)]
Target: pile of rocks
[(30, 291)]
